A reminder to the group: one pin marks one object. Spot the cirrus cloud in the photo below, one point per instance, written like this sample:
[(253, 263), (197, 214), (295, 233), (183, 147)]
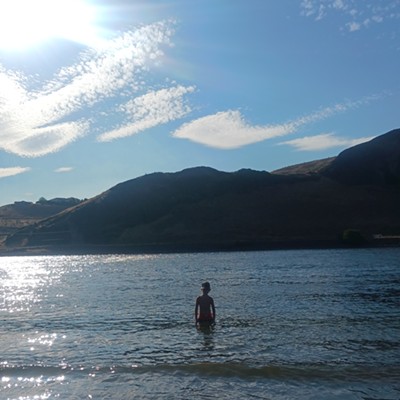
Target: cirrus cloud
[(152, 109), (11, 171), (63, 169), (229, 130), (359, 14), (323, 141), (35, 122)]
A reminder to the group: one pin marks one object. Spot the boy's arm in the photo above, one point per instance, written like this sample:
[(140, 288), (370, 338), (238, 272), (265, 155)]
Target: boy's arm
[(213, 308), (196, 309)]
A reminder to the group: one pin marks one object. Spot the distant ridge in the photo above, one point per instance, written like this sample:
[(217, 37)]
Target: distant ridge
[(373, 162), (23, 213), (314, 204), (311, 167)]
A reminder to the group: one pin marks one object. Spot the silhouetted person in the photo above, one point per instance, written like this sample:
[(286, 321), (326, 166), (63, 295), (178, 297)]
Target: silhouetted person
[(205, 309)]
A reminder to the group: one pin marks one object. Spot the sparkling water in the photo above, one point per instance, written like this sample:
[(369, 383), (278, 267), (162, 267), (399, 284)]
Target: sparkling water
[(290, 325)]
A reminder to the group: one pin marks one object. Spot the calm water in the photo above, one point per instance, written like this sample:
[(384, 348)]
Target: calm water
[(290, 325)]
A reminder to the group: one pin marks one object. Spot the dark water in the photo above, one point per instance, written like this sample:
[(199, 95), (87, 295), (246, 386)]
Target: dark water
[(290, 325)]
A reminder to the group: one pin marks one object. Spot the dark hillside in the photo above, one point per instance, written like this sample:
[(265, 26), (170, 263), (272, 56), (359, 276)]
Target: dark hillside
[(311, 167), (22, 213), (205, 209), (376, 162)]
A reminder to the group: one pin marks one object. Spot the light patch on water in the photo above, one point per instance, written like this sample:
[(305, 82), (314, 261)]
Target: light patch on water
[(23, 279), (295, 324)]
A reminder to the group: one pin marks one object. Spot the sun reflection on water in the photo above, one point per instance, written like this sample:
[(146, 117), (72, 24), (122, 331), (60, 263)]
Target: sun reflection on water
[(22, 282)]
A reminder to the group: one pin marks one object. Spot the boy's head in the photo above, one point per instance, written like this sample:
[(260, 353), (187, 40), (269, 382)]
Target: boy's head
[(205, 287)]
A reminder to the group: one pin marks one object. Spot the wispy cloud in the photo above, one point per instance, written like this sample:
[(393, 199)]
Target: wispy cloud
[(35, 122), (63, 169), (323, 141), (229, 130), (11, 171), (359, 14), (152, 109)]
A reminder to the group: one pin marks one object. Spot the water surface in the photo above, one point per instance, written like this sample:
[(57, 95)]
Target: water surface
[(290, 325)]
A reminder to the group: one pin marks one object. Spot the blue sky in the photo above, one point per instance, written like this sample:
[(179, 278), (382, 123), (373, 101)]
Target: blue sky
[(93, 93)]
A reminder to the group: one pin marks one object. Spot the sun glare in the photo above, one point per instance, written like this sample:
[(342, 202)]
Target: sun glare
[(27, 23)]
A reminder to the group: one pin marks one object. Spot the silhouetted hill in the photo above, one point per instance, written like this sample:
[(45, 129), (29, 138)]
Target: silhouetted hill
[(311, 167), (376, 162), (204, 209), (23, 213)]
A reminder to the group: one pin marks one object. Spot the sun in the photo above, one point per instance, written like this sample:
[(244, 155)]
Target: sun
[(28, 23)]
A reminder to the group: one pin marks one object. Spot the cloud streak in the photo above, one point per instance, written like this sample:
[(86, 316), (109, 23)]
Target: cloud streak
[(152, 109), (229, 130), (63, 169), (323, 141), (359, 14), (11, 171), (35, 122)]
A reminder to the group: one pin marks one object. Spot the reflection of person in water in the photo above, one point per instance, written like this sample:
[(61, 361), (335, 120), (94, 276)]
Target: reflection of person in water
[(205, 309)]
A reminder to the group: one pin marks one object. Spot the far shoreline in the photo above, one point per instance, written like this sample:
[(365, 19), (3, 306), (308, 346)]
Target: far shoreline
[(71, 250)]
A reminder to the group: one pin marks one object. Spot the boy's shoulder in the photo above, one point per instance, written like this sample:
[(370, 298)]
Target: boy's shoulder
[(204, 297)]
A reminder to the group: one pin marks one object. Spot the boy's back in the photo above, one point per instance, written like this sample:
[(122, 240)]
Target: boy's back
[(205, 309)]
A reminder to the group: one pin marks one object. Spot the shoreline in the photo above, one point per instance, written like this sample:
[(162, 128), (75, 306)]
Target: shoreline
[(185, 248)]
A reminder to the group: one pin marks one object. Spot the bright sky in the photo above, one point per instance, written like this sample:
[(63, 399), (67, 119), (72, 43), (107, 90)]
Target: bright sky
[(96, 92)]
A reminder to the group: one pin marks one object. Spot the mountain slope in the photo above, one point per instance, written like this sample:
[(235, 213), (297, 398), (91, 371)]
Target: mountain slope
[(376, 162), (23, 213), (202, 208)]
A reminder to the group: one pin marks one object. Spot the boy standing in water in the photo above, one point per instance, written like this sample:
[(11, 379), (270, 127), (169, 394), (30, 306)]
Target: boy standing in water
[(205, 309)]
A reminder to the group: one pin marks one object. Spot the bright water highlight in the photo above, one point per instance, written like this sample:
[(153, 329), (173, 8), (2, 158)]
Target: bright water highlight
[(290, 325)]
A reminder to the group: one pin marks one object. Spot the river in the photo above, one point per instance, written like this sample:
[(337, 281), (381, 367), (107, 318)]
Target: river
[(304, 324)]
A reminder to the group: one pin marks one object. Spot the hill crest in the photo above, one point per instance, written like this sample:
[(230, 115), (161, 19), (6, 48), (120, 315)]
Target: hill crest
[(203, 208)]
